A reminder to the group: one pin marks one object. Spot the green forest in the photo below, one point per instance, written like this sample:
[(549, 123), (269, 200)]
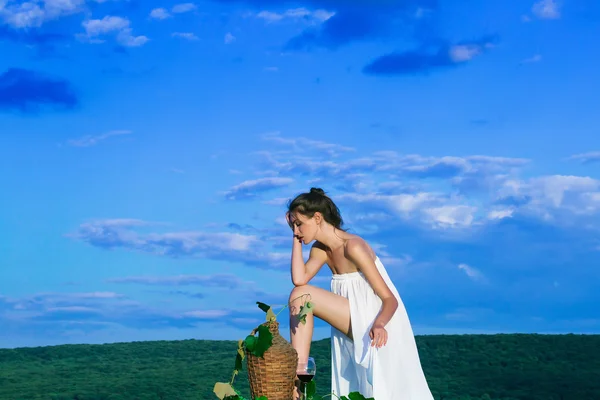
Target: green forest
[(458, 367)]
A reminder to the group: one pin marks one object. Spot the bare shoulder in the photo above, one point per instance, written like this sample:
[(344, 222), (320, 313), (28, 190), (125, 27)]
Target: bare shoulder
[(357, 249), (319, 250)]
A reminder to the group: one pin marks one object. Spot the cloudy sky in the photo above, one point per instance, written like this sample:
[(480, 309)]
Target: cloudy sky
[(148, 149)]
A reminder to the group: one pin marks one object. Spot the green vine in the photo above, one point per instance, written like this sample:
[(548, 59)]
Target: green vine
[(258, 345)]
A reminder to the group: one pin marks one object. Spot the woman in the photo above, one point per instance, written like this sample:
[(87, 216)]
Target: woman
[(373, 350)]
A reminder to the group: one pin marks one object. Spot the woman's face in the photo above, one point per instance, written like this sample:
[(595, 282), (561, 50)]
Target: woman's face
[(304, 228)]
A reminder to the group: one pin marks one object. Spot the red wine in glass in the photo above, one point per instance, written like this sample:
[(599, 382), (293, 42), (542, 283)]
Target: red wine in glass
[(307, 373), (305, 378)]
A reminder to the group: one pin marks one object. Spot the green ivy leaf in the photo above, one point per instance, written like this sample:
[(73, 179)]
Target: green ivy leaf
[(265, 340), (224, 390), (262, 398), (311, 389), (239, 357), (271, 316), (263, 306), (238, 363), (250, 343), (236, 397), (357, 396), (302, 318), (304, 310), (267, 308)]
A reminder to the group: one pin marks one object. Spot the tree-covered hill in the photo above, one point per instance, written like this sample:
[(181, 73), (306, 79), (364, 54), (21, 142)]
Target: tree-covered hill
[(515, 367)]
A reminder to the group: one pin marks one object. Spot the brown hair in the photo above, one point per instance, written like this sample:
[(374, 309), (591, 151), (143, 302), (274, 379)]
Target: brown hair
[(314, 201)]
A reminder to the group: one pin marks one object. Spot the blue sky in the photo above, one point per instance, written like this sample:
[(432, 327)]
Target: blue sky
[(147, 151)]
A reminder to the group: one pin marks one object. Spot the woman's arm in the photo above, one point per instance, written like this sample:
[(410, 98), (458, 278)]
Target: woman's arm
[(357, 252), (302, 273)]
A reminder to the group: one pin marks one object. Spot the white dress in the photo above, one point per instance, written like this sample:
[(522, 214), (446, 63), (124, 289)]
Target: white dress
[(392, 372)]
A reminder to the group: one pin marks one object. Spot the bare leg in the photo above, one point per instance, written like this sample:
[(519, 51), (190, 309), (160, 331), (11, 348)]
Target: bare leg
[(300, 334), (329, 307)]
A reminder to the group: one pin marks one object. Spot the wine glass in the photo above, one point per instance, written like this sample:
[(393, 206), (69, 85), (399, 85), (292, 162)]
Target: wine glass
[(307, 373)]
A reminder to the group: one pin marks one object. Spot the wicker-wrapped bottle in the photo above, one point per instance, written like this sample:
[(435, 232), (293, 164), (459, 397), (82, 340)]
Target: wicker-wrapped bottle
[(273, 375)]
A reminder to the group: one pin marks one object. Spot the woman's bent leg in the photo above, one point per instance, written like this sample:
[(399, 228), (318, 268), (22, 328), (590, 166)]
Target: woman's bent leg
[(328, 306)]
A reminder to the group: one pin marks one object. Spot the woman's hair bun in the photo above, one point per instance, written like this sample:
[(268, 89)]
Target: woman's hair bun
[(317, 190)]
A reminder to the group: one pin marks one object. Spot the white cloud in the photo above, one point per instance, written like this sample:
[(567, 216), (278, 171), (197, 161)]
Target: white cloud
[(97, 295), (306, 145), (403, 204), (554, 198), (546, 9), (251, 188), (432, 209), (462, 53), (185, 35), (441, 192), (60, 315), (89, 140), (109, 25), (32, 14), (451, 215), (466, 52), (388, 259), (318, 15), (586, 158), (533, 59), (24, 15), (160, 13), (437, 192), (206, 314), (230, 246), (500, 213), (229, 38), (229, 281), (71, 309), (555, 188), (127, 39), (69, 302), (183, 8), (471, 272)]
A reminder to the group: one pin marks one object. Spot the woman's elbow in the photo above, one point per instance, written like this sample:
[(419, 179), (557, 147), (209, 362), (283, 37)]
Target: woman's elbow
[(299, 282), (393, 302)]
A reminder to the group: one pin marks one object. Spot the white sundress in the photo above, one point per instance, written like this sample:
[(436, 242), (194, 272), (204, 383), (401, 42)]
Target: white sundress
[(392, 372)]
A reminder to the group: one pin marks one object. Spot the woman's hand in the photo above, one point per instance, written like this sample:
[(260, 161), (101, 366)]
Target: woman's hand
[(378, 335), (297, 241)]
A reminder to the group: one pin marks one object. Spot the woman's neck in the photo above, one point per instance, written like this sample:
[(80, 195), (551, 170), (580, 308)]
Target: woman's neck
[(329, 237)]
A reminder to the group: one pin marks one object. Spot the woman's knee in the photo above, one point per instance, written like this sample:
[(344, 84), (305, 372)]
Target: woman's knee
[(299, 295)]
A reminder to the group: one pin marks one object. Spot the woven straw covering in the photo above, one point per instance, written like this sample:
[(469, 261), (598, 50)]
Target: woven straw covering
[(273, 375)]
